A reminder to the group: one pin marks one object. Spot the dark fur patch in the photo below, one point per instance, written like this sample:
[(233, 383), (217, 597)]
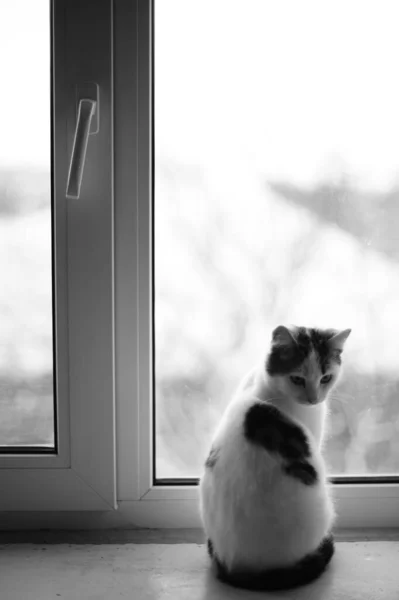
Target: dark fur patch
[(319, 339), (265, 425), (212, 458), (303, 471), (283, 360), (304, 571)]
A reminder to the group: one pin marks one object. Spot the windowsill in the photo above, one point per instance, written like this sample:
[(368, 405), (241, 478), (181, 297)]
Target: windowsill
[(105, 568), (161, 536)]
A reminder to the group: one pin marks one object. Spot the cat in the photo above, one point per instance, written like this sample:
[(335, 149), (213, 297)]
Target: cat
[(264, 499)]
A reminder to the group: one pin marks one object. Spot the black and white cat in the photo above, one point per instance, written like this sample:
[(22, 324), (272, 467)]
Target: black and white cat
[(264, 499)]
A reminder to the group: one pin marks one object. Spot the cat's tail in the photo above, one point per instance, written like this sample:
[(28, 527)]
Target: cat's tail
[(304, 571)]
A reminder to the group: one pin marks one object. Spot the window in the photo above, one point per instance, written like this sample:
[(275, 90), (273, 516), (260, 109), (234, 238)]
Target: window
[(276, 185), (26, 348), (260, 176), (152, 208), (60, 446)]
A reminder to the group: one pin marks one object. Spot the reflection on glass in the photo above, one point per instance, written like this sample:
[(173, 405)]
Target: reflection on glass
[(276, 201), (26, 370)]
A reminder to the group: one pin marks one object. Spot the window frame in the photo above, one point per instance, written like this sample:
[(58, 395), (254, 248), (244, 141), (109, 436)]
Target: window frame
[(81, 475)]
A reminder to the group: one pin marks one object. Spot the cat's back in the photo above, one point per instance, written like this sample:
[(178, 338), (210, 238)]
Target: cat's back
[(253, 509)]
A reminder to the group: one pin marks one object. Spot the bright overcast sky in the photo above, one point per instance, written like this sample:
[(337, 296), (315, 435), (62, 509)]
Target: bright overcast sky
[(302, 89), (25, 83)]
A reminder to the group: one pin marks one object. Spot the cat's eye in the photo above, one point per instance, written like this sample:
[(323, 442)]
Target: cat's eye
[(326, 379), (297, 380)]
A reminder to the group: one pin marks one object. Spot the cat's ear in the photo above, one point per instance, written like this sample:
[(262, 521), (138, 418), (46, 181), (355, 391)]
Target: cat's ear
[(282, 336), (337, 342)]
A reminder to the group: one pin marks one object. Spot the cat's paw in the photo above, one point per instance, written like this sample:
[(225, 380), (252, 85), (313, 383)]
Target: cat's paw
[(212, 458), (266, 426), (303, 471), (294, 445)]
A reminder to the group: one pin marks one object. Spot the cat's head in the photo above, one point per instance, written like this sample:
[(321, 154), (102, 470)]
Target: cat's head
[(305, 363)]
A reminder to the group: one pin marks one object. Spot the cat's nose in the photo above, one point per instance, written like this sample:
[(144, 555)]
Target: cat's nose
[(312, 398), (311, 394)]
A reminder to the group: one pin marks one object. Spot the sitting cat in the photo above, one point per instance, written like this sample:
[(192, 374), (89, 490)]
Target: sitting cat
[(264, 499)]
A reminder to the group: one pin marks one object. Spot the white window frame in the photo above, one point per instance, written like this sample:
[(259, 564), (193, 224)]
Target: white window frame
[(82, 475), (103, 475)]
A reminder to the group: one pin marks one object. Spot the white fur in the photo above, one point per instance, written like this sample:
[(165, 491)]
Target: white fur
[(255, 515)]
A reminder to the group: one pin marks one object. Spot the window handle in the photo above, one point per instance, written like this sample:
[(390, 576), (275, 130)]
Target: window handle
[(86, 111)]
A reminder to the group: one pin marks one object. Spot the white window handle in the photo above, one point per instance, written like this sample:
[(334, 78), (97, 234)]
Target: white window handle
[(86, 111)]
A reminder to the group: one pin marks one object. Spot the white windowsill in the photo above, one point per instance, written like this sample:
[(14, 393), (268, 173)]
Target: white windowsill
[(178, 570)]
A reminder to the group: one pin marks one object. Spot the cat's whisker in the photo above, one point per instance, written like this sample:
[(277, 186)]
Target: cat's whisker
[(344, 395), (273, 399), (339, 398)]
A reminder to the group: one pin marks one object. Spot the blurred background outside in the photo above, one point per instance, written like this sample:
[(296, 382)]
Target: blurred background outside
[(276, 201), (26, 375)]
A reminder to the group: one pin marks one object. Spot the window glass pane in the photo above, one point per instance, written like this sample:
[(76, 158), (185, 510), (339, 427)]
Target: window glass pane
[(276, 202), (26, 344)]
